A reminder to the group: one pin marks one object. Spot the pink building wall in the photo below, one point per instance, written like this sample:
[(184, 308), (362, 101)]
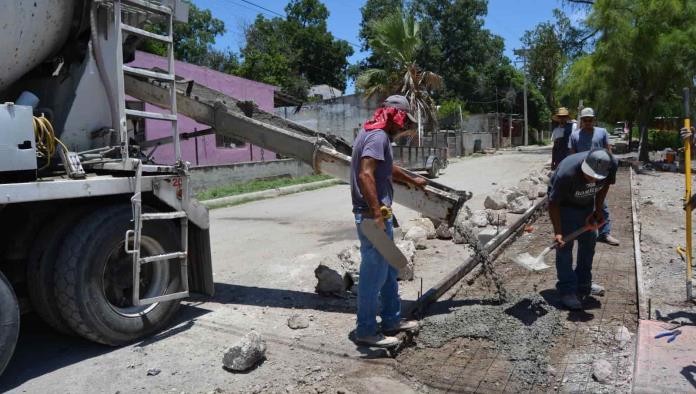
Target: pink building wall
[(208, 152)]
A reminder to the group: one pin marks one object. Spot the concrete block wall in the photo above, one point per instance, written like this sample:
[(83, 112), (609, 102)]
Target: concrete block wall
[(207, 177)]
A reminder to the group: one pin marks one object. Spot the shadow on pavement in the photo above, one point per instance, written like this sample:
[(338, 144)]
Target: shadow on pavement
[(41, 350)]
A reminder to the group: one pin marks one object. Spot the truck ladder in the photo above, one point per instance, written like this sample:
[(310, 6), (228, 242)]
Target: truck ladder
[(180, 167)]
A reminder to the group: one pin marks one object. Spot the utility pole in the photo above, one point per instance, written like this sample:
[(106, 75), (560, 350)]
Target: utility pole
[(497, 120), (420, 127), (523, 54)]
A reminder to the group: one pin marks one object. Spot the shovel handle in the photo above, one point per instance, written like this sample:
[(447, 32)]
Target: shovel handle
[(571, 237)]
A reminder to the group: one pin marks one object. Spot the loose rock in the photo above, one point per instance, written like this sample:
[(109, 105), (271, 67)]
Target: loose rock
[(495, 201), (245, 354), (153, 371), (297, 322), (497, 218), (542, 190), (519, 205), (480, 218), (418, 235), (623, 336), (511, 194), (408, 248), (424, 223), (329, 280), (444, 231), (601, 370), (528, 188)]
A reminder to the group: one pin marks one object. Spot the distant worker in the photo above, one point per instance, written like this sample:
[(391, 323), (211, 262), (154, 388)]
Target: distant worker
[(577, 193), (560, 136), (371, 188), (585, 138)]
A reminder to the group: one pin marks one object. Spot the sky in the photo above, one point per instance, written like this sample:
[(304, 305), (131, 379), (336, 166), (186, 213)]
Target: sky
[(506, 18)]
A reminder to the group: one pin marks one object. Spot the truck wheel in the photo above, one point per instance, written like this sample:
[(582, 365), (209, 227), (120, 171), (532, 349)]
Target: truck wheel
[(94, 278), (41, 268), (9, 322), (434, 170)]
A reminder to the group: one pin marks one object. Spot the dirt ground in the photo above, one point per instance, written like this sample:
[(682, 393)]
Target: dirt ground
[(661, 196), (494, 362)]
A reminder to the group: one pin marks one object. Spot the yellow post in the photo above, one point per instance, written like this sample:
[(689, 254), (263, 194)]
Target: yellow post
[(687, 197)]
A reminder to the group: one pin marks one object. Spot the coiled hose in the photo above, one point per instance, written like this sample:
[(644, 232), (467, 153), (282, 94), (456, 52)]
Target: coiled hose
[(46, 140)]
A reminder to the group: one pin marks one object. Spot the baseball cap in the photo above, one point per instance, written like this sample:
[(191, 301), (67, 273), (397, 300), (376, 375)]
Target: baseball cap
[(401, 103), (597, 164), (587, 113)]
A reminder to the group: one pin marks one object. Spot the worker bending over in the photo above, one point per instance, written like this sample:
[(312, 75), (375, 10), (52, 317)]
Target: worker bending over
[(577, 195)]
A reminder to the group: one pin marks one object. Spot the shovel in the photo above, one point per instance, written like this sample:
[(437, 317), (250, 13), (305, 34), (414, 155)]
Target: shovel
[(537, 263)]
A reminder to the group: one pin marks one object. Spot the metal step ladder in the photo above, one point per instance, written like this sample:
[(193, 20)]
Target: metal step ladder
[(135, 235)]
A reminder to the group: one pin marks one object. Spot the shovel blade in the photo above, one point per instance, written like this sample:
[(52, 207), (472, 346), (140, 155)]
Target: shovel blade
[(530, 262)]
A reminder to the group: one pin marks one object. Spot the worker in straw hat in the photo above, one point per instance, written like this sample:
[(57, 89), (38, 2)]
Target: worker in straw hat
[(560, 136)]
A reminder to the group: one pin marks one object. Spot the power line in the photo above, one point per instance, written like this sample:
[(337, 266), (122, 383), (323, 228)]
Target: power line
[(282, 16)]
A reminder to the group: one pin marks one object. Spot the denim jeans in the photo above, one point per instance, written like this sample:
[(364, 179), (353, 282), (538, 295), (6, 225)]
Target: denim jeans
[(377, 283), (606, 227), (579, 279)]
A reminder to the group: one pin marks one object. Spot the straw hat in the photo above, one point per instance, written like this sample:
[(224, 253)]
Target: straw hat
[(563, 111)]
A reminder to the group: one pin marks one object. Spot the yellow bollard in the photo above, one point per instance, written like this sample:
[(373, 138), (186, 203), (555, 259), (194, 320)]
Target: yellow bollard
[(687, 196)]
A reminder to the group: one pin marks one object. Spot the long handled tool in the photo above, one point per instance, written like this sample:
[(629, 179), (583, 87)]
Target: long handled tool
[(537, 263), (687, 193)]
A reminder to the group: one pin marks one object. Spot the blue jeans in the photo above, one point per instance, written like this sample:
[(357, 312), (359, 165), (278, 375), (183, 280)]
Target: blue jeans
[(377, 283), (606, 227), (580, 279)]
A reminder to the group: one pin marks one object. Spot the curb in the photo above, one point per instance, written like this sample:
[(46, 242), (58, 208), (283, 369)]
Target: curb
[(270, 193)]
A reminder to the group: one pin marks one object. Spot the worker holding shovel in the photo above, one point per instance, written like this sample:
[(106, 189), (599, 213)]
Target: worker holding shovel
[(576, 199)]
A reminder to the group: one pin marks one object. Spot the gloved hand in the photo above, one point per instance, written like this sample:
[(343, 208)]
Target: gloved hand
[(685, 133)]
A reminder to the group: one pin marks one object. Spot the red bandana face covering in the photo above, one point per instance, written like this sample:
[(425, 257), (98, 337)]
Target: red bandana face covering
[(383, 116)]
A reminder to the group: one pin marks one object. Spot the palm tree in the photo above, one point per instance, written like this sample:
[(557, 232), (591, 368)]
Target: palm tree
[(397, 40)]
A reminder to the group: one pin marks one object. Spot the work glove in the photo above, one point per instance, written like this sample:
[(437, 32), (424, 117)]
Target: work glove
[(685, 133)]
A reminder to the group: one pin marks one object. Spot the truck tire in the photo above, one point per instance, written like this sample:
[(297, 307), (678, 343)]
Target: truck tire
[(94, 277), (41, 268), (9, 322), (434, 170)]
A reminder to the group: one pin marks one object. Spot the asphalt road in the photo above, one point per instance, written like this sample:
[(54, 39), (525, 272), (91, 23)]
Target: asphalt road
[(264, 255)]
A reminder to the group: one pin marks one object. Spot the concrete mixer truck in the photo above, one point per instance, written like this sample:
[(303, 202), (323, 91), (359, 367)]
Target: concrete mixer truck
[(96, 238)]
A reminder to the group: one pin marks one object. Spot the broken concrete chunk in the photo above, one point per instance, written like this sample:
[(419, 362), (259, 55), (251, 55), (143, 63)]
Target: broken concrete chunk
[(519, 205), (443, 231), (528, 188), (463, 232), (418, 235), (245, 354), (153, 371), (602, 370), (487, 234), (497, 218), (330, 278), (622, 336), (480, 218), (495, 201), (542, 190), (408, 248), (425, 223), (297, 322), (511, 194)]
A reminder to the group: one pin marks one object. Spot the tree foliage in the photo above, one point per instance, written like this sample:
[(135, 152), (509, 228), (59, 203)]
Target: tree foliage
[(397, 39), (194, 41), (297, 51), (550, 47), (643, 56)]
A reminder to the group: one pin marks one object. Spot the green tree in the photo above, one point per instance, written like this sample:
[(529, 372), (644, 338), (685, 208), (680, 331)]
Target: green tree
[(550, 47), (397, 39), (643, 55), (297, 51), (193, 40)]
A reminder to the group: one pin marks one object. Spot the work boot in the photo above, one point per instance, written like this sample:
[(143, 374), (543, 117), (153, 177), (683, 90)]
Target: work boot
[(608, 239), (595, 290), (378, 340), (571, 302), (404, 325)]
